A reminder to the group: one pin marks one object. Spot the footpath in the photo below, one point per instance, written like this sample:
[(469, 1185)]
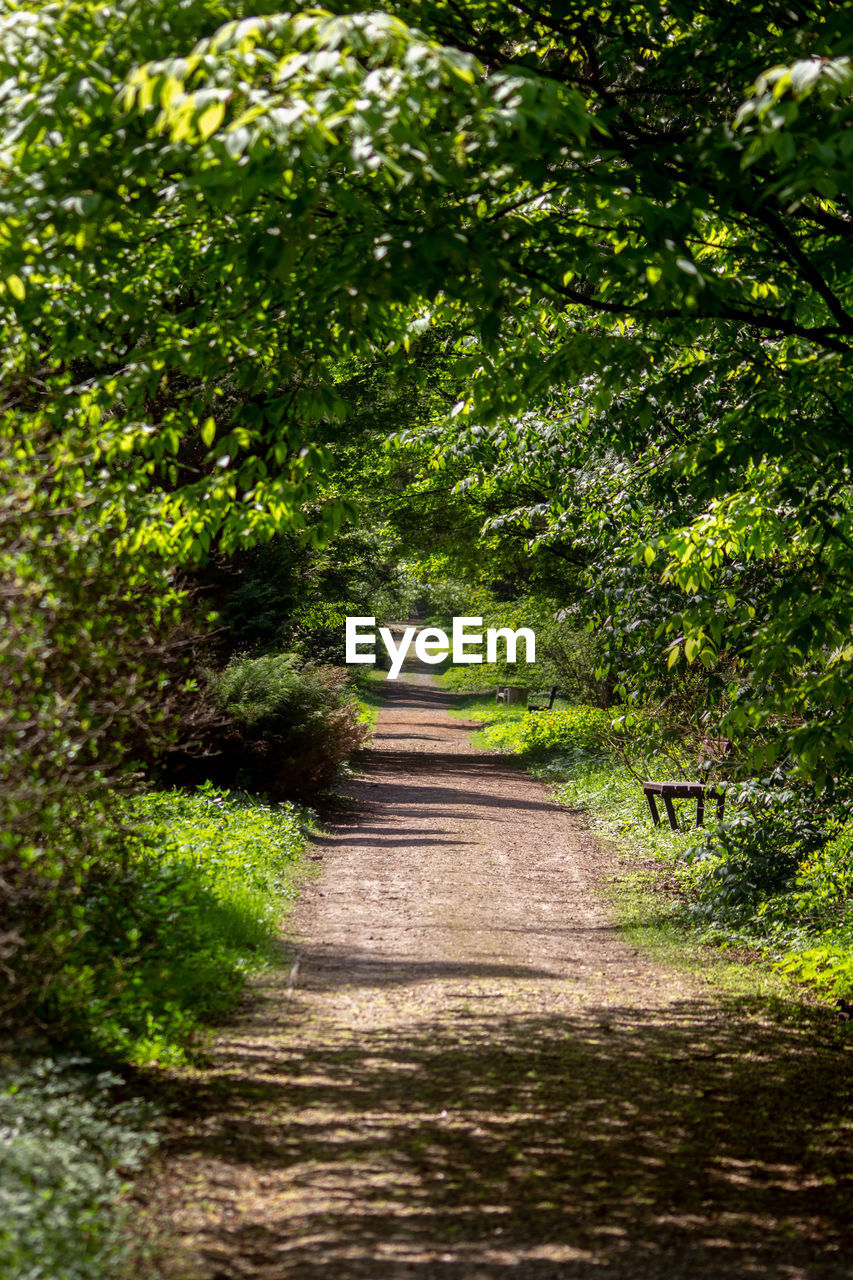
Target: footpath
[(466, 1074)]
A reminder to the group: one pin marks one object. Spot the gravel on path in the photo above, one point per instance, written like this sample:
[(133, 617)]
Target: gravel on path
[(467, 1074)]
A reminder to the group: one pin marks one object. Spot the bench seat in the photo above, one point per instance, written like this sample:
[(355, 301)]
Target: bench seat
[(669, 791), (547, 700)]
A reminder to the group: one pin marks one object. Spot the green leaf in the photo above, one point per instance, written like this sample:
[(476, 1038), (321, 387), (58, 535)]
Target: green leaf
[(210, 119)]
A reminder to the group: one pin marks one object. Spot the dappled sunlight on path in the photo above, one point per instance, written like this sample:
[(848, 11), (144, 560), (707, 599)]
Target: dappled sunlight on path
[(467, 1074)]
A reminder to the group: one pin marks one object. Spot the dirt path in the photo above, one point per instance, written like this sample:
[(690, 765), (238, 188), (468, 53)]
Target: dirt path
[(468, 1075)]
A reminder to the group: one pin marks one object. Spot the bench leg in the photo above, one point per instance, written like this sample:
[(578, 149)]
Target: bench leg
[(700, 811), (670, 812), (721, 803), (654, 809)]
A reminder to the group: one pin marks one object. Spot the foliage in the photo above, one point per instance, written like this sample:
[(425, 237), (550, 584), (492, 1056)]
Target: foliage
[(776, 876), (369, 697), (566, 655), (779, 875), (566, 728), (487, 675), (293, 726), (590, 265), (828, 967), (573, 657), (824, 882), (154, 402), (757, 852), (573, 754), (265, 690), (288, 595), (532, 734), (96, 670), (483, 675), (608, 248), (66, 1150), (181, 900), (97, 682)]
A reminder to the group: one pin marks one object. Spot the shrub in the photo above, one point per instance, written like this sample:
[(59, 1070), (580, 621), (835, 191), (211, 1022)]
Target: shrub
[(566, 655), (541, 732), (291, 728), (824, 885), (66, 1149), (755, 855), (572, 656), (827, 967), (97, 647)]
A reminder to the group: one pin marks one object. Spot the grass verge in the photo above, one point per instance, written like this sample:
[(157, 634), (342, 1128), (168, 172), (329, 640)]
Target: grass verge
[(369, 696), (160, 934), (166, 930)]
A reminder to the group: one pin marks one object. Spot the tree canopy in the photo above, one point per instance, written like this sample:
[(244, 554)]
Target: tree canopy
[(621, 231)]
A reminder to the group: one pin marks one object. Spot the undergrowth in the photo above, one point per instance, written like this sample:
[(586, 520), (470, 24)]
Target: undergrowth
[(291, 726), (156, 939), (485, 675), (565, 747), (165, 933), (67, 1149), (368, 686)]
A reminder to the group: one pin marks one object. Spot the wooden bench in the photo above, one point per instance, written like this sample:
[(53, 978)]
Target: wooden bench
[(542, 706), (669, 791)]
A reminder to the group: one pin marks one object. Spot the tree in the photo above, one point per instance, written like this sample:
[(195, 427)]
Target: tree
[(648, 203)]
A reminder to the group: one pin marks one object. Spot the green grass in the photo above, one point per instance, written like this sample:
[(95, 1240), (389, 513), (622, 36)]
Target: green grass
[(488, 675), (479, 704), (167, 932), (472, 679), (651, 919), (369, 686), (566, 748)]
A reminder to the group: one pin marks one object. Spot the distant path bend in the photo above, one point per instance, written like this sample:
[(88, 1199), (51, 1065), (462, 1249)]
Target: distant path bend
[(470, 1075)]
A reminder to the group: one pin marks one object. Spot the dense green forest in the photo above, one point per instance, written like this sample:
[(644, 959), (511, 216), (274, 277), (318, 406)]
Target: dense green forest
[(537, 312)]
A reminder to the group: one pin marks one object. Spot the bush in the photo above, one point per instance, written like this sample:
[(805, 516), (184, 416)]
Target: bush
[(755, 855), (66, 1149), (776, 876), (96, 679), (827, 967), (287, 595), (566, 655), (542, 732), (291, 728), (572, 656), (823, 890), (161, 929)]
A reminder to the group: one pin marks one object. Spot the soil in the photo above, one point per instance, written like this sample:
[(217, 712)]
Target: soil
[(466, 1073)]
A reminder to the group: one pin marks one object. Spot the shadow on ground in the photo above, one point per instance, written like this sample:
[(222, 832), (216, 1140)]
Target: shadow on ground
[(701, 1139), (470, 1119)]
